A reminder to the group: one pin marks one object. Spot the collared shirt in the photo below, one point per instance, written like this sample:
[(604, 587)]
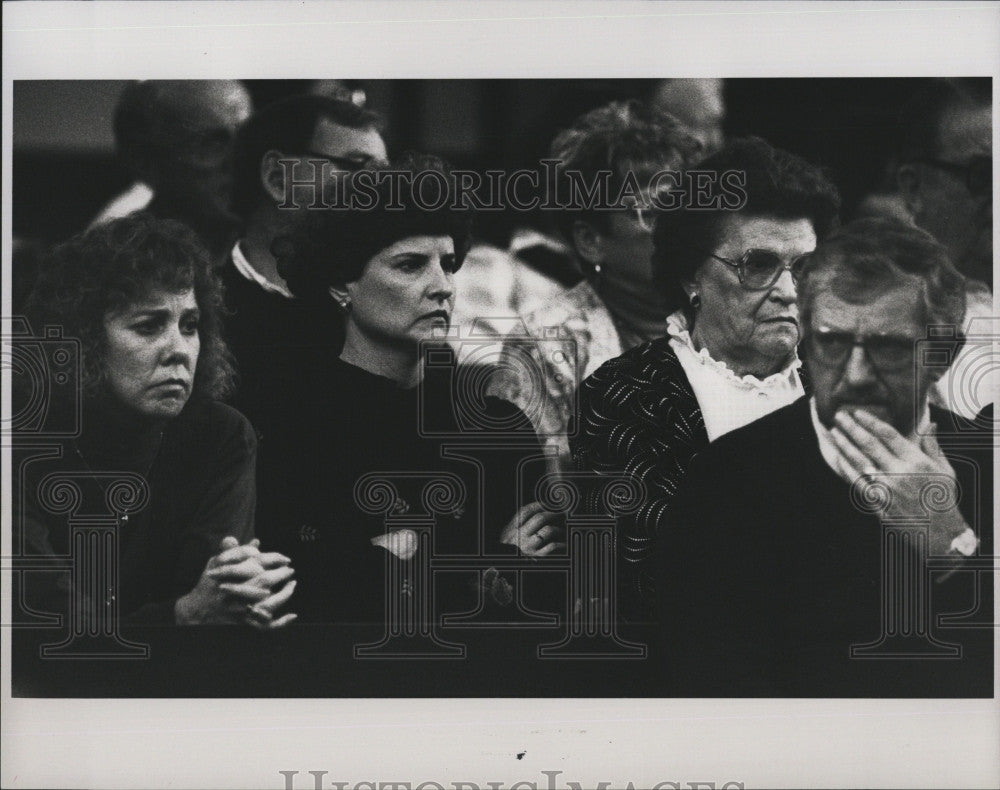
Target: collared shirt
[(728, 401), (249, 272), (966, 543)]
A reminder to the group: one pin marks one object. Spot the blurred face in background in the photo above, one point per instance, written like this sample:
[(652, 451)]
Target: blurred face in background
[(951, 194), (699, 105), (197, 124), (624, 247), (336, 149)]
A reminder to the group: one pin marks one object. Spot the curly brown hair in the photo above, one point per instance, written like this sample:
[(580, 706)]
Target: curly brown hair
[(117, 264)]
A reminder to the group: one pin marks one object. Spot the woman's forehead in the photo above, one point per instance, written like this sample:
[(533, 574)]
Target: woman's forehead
[(422, 245), (779, 234), (159, 299)]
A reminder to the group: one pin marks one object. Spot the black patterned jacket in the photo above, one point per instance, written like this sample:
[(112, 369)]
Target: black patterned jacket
[(639, 417)]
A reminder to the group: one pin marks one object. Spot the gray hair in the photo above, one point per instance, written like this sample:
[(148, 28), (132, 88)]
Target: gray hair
[(870, 256)]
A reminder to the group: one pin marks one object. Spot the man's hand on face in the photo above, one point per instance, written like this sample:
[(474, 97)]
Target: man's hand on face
[(872, 448)]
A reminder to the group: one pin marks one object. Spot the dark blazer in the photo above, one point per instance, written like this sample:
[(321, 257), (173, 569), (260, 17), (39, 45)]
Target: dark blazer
[(275, 341), (770, 573)]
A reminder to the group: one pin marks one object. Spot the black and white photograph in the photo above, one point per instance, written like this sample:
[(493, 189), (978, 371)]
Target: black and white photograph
[(391, 399)]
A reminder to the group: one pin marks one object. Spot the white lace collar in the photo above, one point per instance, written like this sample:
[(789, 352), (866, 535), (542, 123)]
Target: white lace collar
[(677, 328)]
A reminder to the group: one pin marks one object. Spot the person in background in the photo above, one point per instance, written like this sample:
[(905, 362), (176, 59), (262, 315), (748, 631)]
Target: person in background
[(139, 296), (945, 177), (308, 140), (776, 564), (699, 104), (617, 306), (727, 277), (492, 289), (176, 138)]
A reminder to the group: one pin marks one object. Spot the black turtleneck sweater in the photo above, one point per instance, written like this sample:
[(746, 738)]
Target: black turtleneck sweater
[(310, 504)]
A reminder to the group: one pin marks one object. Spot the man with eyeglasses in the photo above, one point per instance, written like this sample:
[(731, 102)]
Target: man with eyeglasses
[(780, 567), (945, 177), (286, 155)]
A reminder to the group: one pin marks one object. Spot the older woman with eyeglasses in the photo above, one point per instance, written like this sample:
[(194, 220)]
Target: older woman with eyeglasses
[(729, 356)]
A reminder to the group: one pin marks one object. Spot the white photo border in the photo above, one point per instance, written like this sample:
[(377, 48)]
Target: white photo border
[(247, 743)]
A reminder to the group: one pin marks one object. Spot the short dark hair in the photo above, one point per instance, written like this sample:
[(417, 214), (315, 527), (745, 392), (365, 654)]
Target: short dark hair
[(286, 125), (619, 137), (777, 184), (332, 246), (117, 264), (868, 256), (919, 133)]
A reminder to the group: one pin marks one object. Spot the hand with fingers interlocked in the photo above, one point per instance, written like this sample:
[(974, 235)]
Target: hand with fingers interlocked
[(869, 447), (240, 584), (535, 531)]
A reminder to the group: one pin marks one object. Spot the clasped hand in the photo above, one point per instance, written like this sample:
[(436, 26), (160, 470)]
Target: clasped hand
[(535, 531), (240, 584), (869, 447)]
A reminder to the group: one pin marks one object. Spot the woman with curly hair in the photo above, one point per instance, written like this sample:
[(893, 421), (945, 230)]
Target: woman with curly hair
[(139, 297)]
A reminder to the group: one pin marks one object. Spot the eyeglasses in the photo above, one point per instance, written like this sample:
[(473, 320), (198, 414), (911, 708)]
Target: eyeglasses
[(351, 165), (977, 172), (888, 353), (760, 269)]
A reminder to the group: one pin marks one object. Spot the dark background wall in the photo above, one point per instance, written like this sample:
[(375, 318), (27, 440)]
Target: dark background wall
[(64, 168)]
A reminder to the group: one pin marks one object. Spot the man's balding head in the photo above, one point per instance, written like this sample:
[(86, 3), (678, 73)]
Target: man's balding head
[(699, 105), (177, 136)]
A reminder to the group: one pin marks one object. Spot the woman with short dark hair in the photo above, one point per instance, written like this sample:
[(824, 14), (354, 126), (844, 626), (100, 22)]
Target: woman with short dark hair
[(392, 404), (729, 357), (140, 299)]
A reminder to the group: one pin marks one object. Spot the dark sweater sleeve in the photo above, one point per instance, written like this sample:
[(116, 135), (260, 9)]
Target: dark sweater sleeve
[(48, 590), (714, 615), (525, 451), (225, 506)]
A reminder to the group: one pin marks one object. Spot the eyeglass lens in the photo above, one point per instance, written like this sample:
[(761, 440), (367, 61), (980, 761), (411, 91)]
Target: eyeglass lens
[(762, 268), (885, 353)]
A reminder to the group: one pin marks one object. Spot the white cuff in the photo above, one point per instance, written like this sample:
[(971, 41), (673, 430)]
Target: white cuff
[(966, 543)]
